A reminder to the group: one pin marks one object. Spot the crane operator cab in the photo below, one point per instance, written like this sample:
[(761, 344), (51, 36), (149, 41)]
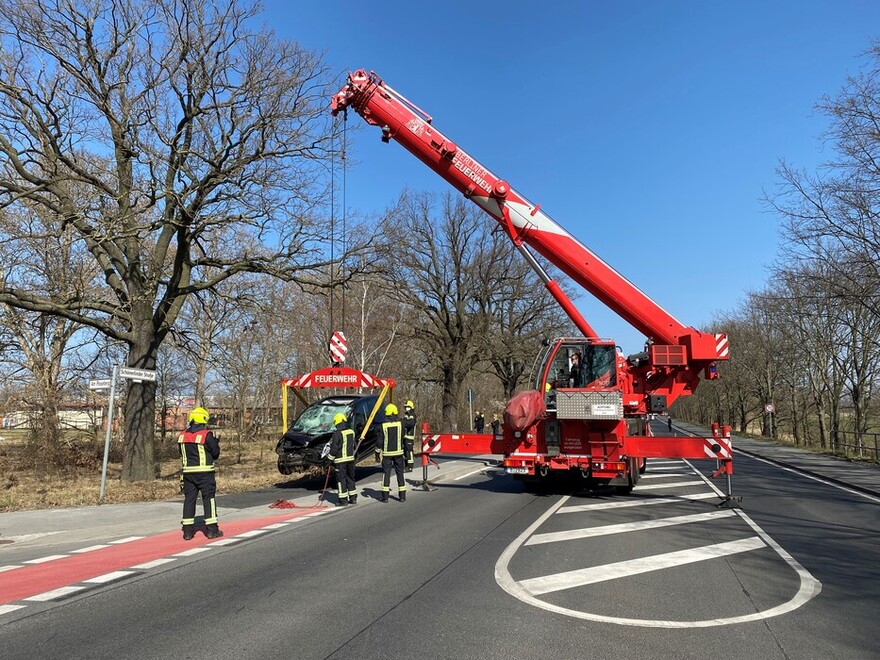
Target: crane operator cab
[(584, 364), (588, 365)]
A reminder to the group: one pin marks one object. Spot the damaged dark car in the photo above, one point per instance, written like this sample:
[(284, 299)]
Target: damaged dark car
[(306, 442)]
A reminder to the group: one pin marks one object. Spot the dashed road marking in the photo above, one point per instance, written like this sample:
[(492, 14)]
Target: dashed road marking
[(108, 577), (41, 560), (89, 549), (55, 593), (153, 564)]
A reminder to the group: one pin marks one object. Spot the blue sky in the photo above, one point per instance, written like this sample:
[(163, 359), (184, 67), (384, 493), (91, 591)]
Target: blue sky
[(649, 130)]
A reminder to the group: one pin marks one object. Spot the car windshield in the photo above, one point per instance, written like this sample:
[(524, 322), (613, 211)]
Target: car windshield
[(318, 418)]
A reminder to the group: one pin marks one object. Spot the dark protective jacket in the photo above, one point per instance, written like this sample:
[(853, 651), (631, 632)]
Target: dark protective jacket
[(409, 427), (392, 432), (342, 445), (199, 449)]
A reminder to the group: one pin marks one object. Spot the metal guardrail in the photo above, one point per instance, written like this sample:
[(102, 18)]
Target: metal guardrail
[(863, 445)]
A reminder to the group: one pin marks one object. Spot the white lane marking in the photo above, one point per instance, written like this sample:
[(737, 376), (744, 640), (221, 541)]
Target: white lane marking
[(621, 569), (191, 552), (40, 560), (154, 563), (277, 525), (30, 537), (622, 528), (809, 587), (4, 609), (465, 476), (55, 593), (108, 577), (127, 539), (8, 568), (814, 478), (253, 532), (666, 475), (579, 508), (89, 549), (676, 484), (228, 541)]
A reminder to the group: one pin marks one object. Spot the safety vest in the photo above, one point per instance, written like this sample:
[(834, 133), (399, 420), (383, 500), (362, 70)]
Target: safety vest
[(393, 445), (193, 456), (346, 450)]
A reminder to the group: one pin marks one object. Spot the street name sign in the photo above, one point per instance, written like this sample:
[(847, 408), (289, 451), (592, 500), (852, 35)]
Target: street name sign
[(137, 374)]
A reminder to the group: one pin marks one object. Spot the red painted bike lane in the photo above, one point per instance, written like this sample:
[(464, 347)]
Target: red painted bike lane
[(32, 579)]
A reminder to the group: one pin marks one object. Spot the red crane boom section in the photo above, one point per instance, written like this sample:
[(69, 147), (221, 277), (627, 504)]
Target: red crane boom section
[(523, 221)]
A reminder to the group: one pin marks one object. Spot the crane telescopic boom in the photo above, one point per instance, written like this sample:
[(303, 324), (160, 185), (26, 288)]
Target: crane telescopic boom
[(525, 223)]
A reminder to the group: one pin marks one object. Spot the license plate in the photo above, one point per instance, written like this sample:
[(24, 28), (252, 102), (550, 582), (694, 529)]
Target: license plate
[(516, 470)]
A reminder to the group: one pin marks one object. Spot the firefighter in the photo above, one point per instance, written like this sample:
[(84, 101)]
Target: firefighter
[(199, 449), (392, 453), (479, 422), (496, 425), (342, 446), (409, 433), (575, 375)]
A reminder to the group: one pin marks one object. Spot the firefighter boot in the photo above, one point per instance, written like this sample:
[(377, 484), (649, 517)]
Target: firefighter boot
[(342, 502), (188, 532), (403, 496), (353, 499), (384, 497), (213, 532)]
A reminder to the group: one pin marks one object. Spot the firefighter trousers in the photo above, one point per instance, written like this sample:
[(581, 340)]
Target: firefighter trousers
[(345, 482), (193, 483), (390, 463)]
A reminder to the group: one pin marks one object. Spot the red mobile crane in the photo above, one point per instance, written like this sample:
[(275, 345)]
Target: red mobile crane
[(594, 418)]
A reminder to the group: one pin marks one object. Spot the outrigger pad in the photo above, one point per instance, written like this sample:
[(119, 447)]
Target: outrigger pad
[(730, 502)]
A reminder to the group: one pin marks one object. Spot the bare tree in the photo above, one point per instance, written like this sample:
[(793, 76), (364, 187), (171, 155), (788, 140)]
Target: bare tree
[(522, 313), (193, 142)]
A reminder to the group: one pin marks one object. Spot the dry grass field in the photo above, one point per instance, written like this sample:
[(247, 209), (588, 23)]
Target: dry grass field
[(73, 477)]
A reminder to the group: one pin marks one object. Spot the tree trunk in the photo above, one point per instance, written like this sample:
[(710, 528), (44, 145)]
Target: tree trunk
[(139, 461)]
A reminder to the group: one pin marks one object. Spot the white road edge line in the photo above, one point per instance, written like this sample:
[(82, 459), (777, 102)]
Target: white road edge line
[(40, 560), (814, 478), (154, 563)]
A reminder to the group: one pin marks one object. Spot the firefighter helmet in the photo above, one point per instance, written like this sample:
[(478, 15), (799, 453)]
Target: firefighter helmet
[(338, 418), (390, 410), (409, 404), (199, 415)]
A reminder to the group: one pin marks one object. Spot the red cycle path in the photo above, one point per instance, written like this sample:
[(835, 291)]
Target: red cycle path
[(32, 579)]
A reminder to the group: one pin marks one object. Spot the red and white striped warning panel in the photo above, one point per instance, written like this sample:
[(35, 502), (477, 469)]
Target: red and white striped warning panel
[(431, 444), (722, 348), (718, 447), (338, 347)]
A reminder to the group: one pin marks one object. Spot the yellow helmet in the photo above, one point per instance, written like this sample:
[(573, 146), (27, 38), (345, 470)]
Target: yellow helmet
[(199, 415), (390, 410), (409, 404), (338, 418)]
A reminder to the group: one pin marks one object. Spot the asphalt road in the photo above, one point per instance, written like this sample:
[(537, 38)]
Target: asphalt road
[(480, 569)]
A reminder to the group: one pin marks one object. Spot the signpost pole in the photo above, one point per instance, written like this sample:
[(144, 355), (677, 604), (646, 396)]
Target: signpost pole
[(110, 407)]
